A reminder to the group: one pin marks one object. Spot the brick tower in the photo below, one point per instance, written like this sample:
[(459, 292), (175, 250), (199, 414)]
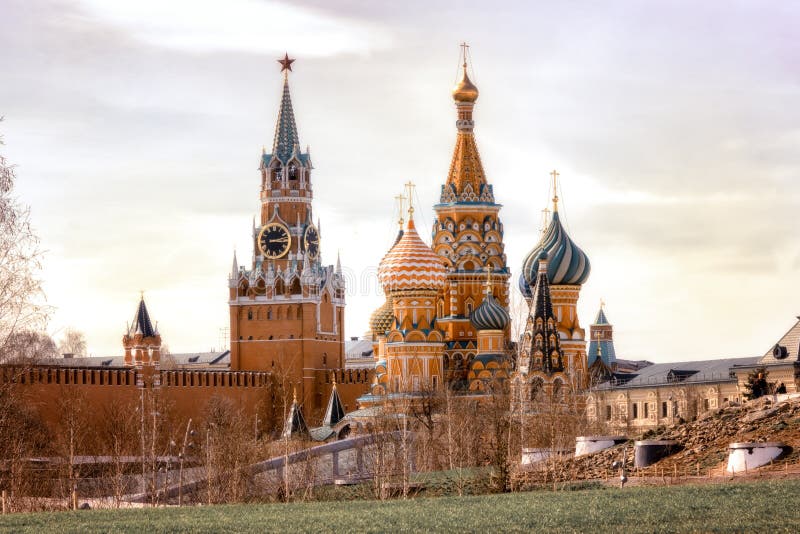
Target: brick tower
[(287, 308)]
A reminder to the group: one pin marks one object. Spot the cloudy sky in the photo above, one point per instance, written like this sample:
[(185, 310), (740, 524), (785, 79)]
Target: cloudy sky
[(136, 126)]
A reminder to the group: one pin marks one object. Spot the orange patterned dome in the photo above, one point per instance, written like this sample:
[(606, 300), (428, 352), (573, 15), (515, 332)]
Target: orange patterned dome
[(411, 264)]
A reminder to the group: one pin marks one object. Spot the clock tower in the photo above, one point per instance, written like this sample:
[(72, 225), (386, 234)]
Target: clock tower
[(286, 307)]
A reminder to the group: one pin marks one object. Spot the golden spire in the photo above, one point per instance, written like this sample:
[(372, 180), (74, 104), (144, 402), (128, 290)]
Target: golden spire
[(294, 394), (489, 279), (333, 377), (602, 303), (554, 174), (465, 90)]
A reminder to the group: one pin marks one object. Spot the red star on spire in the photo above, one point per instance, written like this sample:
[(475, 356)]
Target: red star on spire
[(286, 63)]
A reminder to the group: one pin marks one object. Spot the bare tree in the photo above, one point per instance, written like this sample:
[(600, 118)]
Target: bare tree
[(21, 305), (72, 342)]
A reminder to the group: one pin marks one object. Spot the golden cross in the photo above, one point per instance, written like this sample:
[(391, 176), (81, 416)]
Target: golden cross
[(545, 221), (464, 47), (602, 303), (410, 198), (554, 174), (489, 279), (400, 199)]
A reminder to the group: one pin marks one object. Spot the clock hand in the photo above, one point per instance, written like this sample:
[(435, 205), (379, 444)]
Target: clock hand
[(280, 240)]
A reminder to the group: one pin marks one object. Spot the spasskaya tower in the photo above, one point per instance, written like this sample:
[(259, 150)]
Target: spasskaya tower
[(286, 307)]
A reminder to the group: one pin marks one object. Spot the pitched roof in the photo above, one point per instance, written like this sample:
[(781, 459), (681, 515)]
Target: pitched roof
[(601, 318), (295, 422), (787, 349), (681, 372), (335, 410), (603, 350)]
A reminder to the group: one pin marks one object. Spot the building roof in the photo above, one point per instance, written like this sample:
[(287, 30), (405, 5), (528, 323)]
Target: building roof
[(490, 315), (679, 372), (382, 318), (568, 264), (601, 349), (335, 410), (357, 349), (786, 350), (295, 422), (181, 360), (141, 322), (411, 264), (601, 318)]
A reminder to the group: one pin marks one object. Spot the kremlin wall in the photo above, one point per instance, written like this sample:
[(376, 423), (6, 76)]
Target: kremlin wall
[(445, 322)]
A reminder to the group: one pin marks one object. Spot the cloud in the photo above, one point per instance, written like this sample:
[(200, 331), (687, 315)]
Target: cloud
[(236, 25)]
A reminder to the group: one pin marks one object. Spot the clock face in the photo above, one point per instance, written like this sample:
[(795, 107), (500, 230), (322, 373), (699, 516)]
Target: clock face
[(274, 240), (311, 242)]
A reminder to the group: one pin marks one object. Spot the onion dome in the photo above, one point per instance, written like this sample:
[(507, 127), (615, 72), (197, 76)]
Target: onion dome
[(381, 319), (568, 264), (490, 315), (411, 264), (465, 90)]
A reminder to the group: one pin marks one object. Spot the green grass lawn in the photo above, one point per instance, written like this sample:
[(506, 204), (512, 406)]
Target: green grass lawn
[(740, 507)]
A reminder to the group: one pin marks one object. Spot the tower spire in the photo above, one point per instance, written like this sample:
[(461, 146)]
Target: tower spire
[(286, 138), (466, 181)]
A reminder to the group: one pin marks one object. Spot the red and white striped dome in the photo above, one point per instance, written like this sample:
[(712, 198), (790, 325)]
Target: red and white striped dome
[(411, 264)]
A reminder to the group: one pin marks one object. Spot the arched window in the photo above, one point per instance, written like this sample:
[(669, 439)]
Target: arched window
[(249, 315), (269, 314)]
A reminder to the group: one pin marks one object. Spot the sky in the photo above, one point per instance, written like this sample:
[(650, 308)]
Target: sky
[(136, 127)]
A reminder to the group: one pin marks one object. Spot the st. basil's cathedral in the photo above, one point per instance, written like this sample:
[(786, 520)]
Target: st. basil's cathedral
[(446, 320)]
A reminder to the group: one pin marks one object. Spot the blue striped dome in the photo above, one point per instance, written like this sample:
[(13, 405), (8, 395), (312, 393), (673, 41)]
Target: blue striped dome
[(490, 315), (568, 264)]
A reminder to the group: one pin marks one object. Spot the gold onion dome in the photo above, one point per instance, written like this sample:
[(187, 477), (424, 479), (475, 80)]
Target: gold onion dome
[(381, 319), (411, 264), (465, 90)]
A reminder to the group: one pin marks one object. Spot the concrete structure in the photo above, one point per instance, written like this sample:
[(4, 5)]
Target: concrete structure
[(648, 452), (746, 456), (591, 444)]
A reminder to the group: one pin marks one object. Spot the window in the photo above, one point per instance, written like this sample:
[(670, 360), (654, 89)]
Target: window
[(608, 412), (646, 407), (664, 409), (435, 382), (635, 411), (249, 315), (706, 404)]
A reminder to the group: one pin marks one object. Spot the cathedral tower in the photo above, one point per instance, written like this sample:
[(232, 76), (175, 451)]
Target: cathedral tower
[(567, 269), (411, 357), (467, 236), (287, 308)]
